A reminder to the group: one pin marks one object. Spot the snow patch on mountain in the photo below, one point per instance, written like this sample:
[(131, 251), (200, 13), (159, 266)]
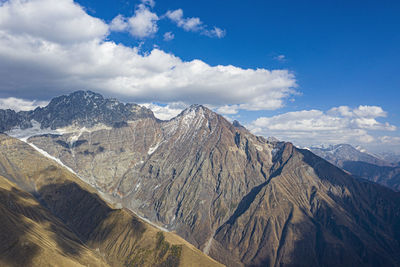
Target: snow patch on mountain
[(188, 118), (137, 186), (154, 148), (24, 134), (47, 155), (150, 222)]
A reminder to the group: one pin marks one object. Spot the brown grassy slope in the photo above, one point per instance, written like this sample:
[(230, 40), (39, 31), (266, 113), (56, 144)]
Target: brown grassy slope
[(31, 236), (119, 236)]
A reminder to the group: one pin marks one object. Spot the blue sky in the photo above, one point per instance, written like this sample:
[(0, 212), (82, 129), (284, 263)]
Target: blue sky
[(327, 69)]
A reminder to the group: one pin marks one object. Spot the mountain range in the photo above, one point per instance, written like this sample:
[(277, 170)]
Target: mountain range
[(242, 199), (362, 164)]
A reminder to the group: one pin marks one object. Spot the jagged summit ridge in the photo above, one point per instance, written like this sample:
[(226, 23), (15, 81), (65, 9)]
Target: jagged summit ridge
[(190, 121), (86, 108), (80, 108), (194, 110)]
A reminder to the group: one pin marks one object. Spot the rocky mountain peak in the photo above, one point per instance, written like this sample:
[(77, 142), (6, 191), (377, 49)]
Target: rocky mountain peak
[(75, 102), (86, 108), (75, 98), (195, 109), (195, 115), (237, 125), (80, 108)]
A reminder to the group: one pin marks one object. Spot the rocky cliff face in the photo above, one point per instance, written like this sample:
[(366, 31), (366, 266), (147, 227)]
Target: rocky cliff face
[(81, 108), (240, 198), (32, 236), (10, 119)]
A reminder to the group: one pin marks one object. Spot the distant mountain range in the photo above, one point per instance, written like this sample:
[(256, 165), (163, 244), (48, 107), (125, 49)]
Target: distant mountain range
[(240, 198), (362, 164), (390, 157)]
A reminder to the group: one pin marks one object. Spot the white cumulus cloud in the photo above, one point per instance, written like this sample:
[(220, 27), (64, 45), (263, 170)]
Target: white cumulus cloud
[(168, 36), (280, 58), (141, 25), (150, 3), (38, 63), (361, 111), (391, 140), (19, 104), (193, 24), (119, 24), (61, 21), (166, 112), (188, 24), (337, 125), (216, 32), (228, 110)]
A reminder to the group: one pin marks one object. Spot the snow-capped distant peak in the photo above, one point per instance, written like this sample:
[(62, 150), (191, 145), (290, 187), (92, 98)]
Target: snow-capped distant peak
[(361, 149)]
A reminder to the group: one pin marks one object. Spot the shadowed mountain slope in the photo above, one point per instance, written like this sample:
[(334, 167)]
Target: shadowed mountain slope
[(311, 213), (384, 175), (115, 235), (32, 236)]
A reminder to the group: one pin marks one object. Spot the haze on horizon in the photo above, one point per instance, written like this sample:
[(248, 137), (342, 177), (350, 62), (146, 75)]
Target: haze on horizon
[(325, 73)]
